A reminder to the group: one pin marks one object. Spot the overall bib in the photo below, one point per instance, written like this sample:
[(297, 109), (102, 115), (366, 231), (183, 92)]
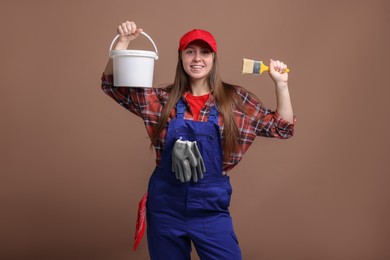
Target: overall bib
[(178, 213)]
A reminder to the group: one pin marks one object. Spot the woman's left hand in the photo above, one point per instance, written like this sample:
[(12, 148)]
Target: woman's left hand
[(277, 71)]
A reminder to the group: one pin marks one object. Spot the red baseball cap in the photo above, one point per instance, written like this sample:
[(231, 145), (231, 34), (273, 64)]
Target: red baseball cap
[(198, 34)]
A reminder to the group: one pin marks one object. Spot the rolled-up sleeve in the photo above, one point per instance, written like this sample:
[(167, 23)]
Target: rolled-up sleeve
[(136, 100), (269, 123)]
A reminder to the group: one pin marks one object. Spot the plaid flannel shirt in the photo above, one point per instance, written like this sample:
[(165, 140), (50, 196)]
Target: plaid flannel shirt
[(147, 103)]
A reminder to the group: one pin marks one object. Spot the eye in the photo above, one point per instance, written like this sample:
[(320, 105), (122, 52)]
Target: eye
[(206, 51), (189, 51)]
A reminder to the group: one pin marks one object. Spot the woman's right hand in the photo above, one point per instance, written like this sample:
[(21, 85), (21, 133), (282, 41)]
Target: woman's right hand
[(128, 31)]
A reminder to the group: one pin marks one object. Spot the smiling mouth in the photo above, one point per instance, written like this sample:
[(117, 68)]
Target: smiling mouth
[(197, 66)]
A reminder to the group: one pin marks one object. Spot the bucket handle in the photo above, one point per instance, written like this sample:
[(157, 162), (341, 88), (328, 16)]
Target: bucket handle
[(147, 36)]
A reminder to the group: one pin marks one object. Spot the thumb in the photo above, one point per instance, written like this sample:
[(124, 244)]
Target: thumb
[(137, 32), (271, 65)]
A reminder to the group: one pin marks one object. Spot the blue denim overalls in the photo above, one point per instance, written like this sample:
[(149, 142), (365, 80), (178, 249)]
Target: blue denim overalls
[(178, 213)]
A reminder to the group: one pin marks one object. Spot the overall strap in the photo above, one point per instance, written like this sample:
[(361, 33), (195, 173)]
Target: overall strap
[(213, 116), (180, 109)]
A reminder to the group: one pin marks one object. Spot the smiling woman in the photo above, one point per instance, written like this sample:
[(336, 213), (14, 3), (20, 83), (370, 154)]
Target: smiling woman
[(200, 128), (197, 60)]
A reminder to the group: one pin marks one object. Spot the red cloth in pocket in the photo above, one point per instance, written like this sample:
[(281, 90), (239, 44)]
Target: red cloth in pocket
[(141, 221)]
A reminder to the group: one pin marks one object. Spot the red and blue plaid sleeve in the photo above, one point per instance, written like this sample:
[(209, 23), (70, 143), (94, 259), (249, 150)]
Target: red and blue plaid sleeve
[(146, 103), (132, 99), (263, 121)]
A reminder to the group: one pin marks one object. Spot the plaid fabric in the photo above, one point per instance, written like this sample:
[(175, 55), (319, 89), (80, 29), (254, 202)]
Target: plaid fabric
[(147, 103)]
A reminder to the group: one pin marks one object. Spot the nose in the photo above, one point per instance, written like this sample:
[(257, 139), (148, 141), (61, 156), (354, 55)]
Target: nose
[(197, 56)]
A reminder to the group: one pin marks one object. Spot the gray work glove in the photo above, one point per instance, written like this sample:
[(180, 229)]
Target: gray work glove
[(199, 169), (187, 161), (183, 160)]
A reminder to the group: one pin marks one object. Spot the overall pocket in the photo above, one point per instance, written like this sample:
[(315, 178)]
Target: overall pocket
[(216, 197)]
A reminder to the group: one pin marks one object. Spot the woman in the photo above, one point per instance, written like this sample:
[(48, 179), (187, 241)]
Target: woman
[(216, 123)]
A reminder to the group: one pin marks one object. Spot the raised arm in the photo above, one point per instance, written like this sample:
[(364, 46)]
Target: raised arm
[(280, 78)]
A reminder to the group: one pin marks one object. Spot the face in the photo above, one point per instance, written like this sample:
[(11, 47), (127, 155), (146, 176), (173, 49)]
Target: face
[(198, 60)]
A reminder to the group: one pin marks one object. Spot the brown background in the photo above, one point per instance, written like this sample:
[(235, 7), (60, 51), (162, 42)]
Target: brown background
[(74, 163)]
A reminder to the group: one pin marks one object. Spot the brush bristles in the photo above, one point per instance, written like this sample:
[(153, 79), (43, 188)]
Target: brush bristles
[(247, 66)]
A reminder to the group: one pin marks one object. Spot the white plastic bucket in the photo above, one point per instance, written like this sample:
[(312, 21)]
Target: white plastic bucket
[(133, 68)]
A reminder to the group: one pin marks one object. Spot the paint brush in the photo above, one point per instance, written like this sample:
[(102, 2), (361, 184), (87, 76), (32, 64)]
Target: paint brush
[(254, 67)]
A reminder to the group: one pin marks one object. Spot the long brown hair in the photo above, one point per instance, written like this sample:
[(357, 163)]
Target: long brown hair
[(226, 100)]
